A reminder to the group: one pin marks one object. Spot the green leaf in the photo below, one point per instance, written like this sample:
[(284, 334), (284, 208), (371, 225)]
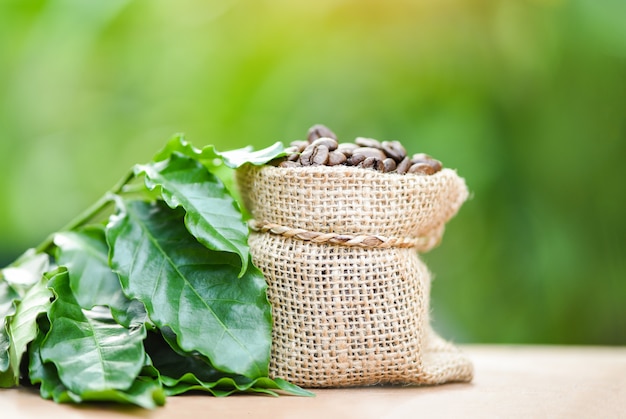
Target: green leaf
[(191, 289), (177, 144), (85, 253), (15, 282), (247, 155), (182, 372), (46, 374), (22, 326), (26, 270), (145, 391), (92, 353), (212, 215), (8, 300)]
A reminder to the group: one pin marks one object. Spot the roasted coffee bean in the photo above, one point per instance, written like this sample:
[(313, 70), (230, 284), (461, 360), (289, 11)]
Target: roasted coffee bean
[(355, 159), (320, 155), (420, 158), (322, 148), (336, 158), (403, 166), (435, 164), (319, 131), (347, 148), (370, 152), (288, 163), (388, 165), (367, 142), (299, 145), (306, 156), (328, 142), (394, 149), (421, 169), (369, 163)]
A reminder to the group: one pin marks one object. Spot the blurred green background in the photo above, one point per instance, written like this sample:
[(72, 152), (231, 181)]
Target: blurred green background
[(526, 99)]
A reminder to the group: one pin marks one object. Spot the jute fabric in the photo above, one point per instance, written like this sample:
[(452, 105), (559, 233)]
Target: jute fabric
[(350, 296)]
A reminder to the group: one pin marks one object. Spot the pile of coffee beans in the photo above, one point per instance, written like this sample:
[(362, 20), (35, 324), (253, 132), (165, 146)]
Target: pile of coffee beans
[(322, 149)]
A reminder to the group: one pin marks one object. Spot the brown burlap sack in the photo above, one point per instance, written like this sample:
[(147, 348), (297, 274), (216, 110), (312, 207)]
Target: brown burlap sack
[(350, 296)]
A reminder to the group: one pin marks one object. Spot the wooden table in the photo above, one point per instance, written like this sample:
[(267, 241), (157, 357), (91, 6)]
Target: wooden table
[(510, 382)]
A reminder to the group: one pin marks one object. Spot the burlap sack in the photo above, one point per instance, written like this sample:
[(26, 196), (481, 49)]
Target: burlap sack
[(350, 296)]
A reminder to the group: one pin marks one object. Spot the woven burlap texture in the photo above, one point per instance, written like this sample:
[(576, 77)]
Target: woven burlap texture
[(352, 315)]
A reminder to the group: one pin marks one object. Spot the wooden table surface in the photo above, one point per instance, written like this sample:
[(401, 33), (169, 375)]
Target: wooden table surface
[(509, 382)]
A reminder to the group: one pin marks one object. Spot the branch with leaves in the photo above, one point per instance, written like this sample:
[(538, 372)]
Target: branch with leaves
[(150, 292)]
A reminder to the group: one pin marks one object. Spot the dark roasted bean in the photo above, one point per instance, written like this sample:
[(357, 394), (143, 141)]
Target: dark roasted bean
[(299, 145), (335, 158), (369, 163), (288, 163), (322, 148), (421, 169), (328, 142), (347, 148), (319, 131), (370, 152), (306, 156), (367, 142), (435, 164), (389, 165), (420, 158), (320, 155), (403, 166), (394, 149), (355, 160)]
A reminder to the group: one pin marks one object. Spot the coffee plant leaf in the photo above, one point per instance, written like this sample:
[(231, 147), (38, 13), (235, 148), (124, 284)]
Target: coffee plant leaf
[(195, 291), (91, 352), (212, 215)]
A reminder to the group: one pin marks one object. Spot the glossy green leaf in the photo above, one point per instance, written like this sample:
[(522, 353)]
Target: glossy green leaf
[(22, 325), (8, 299), (85, 253), (145, 391), (191, 289), (15, 282), (89, 349), (212, 215), (247, 155), (26, 271), (183, 372)]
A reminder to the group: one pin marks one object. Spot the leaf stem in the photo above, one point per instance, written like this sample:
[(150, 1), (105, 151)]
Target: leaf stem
[(84, 217)]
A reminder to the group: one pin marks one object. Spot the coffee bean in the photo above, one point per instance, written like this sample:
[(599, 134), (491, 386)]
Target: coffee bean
[(322, 148), (306, 157), (421, 169), (336, 158), (420, 158), (369, 163), (367, 142), (320, 155), (319, 131), (299, 145), (435, 164), (288, 163), (347, 148), (355, 159), (328, 142), (394, 149), (370, 152), (389, 165), (403, 166)]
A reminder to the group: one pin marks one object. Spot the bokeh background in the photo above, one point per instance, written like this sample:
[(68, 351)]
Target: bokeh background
[(525, 98)]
